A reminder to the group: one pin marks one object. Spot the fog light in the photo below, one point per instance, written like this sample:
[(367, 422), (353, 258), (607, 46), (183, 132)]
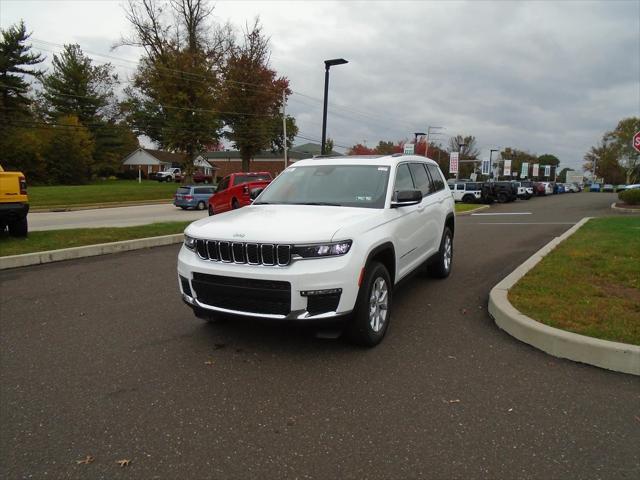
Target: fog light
[(312, 293)]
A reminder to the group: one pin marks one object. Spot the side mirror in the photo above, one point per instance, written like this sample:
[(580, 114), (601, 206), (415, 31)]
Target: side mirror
[(404, 198), (253, 194)]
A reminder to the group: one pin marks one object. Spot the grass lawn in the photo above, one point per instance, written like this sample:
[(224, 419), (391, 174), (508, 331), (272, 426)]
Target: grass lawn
[(590, 284), (100, 192), (56, 239), (465, 207)]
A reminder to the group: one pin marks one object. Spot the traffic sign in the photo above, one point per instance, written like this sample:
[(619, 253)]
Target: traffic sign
[(409, 148), (636, 141)]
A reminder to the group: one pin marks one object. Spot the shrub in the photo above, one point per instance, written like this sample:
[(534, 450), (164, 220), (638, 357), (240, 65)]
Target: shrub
[(631, 197)]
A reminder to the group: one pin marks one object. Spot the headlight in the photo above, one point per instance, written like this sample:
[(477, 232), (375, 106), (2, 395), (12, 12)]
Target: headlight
[(189, 242), (322, 250)]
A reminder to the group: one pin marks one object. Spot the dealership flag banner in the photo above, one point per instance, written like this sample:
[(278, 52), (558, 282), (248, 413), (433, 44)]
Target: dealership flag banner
[(524, 173), (547, 170), (486, 167), (536, 170), (507, 168), (453, 162)]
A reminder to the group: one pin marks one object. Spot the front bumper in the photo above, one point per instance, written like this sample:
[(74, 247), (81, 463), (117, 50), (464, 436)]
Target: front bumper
[(304, 275)]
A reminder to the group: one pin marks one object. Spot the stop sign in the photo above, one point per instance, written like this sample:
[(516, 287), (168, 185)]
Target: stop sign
[(636, 141)]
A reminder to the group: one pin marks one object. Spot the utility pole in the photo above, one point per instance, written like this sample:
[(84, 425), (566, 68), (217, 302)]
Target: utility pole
[(284, 127), (429, 128)]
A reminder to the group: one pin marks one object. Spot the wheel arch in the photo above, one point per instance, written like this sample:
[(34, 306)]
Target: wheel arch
[(384, 253), (450, 222)]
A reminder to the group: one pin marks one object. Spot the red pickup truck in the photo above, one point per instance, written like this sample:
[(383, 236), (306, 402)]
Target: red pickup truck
[(234, 190)]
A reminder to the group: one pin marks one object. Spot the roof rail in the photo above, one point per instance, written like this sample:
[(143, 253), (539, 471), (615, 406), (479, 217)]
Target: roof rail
[(397, 154), (327, 156)]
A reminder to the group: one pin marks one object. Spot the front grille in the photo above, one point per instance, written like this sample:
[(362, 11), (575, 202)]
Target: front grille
[(243, 294), (240, 252)]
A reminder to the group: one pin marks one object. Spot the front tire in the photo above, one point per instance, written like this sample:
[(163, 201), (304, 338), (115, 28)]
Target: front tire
[(18, 228), (201, 205), (468, 199), (234, 204), (211, 212), (373, 308), (441, 267)]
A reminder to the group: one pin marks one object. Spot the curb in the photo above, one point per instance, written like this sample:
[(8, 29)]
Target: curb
[(624, 210), (469, 212), (38, 258), (93, 206), (616, 356)]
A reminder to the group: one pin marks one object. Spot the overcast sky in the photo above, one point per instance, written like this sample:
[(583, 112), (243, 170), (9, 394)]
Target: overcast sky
[(542, 76)]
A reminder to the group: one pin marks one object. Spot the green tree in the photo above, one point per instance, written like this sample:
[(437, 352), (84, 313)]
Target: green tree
[(113, 142), (620, 140), (16, 61), (548, 159), (253, 99), (603, 158), (79, 88), (68, 154), (176, 91), (562, 176)]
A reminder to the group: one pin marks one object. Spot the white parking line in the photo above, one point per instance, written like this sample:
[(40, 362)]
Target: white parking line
[(505, 213), (524, 223)]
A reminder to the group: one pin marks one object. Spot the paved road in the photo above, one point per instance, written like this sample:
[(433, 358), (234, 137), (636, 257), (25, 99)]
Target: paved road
[(111, 217), (99, 357)]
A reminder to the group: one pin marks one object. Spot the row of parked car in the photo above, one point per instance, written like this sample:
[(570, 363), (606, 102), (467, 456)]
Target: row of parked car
[(608, 187), (233, 191), (468, 191)]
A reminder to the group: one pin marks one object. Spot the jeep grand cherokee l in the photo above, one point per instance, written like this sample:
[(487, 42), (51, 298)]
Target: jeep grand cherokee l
[(328, 239)]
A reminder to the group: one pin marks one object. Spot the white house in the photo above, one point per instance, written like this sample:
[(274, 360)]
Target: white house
[(151, 161)]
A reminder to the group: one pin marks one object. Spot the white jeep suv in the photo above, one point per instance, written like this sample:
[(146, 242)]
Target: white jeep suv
[(327, 240)]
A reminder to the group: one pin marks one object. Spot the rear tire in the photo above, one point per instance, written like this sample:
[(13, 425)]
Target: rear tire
[(234, 204), (372, 314), (468, 199), (441, 266), (502, 198), (18, 228)]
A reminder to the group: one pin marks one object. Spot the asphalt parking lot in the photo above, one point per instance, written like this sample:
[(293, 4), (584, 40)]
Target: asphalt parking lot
[(100, 357)]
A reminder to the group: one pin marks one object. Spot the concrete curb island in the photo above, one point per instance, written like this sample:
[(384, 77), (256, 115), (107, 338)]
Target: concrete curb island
[(616, 356), (624, 210), (37, 258)]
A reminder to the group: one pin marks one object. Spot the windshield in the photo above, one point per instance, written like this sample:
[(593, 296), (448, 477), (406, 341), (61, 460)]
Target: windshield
[(340, 185)]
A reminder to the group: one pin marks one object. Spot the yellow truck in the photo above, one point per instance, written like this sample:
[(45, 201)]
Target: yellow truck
[(14, 203)]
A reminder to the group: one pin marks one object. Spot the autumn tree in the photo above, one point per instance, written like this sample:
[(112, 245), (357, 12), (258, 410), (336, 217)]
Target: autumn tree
[(176, 93), (360, 149), (602, 161), (68, 154), (253, 99), (620, 139)]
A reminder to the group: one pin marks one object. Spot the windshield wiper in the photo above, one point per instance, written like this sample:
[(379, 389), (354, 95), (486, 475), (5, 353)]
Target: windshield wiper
[(329, 204)]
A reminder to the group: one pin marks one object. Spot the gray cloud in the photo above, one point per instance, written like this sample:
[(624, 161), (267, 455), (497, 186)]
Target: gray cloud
[(540, 76)]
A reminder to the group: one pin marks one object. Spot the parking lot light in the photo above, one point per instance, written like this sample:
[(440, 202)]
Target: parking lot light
[(327, 65)]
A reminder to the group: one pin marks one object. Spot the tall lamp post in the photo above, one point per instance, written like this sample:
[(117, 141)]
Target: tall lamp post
[(493, 170), (460, 147), (415, 141), (327, 65)]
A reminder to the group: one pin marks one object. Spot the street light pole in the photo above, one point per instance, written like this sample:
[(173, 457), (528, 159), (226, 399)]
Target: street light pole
[(460, 147), (429, 128), (327, 65), (415, 141), (493, 170)]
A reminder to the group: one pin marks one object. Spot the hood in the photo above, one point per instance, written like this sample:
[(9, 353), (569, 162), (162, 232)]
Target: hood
[(280, 223)]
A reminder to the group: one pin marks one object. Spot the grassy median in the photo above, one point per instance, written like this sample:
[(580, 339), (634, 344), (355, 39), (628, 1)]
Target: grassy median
[(107, 191), (590, 284), (465, 207), (56, 239)]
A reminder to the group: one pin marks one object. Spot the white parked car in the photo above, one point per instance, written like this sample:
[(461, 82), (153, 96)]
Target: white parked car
[(169, 175), (327, 240)]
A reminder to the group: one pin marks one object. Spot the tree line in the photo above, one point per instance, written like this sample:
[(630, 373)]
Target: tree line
[(196, 84), (466, 146), (614, 159)]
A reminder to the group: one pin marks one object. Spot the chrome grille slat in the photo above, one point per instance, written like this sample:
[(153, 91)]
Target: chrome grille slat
[(267, 254)]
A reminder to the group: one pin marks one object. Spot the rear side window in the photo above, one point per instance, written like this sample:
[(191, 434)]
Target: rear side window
[(473, 186), (403, 179), (421, 178), (203, 191), (438, 180), (184, 190), (238, 179)]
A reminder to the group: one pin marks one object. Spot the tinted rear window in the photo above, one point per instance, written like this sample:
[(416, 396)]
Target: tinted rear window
[(436, 176), (421, 178), (473, 186), (184, 190), (250, 178)]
